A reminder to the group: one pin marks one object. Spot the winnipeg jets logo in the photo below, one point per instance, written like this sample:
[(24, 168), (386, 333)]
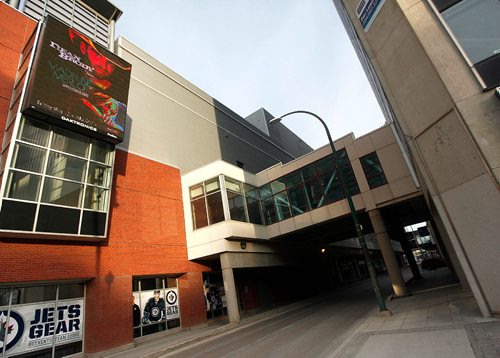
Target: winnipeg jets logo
[(11, 330), (171, 297), (155, 312)]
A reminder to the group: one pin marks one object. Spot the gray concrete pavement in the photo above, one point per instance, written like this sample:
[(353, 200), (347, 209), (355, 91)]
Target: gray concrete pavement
[(439, 322)]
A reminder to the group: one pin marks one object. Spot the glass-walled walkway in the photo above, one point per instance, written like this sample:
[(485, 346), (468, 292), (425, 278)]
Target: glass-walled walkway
[(310, 187)]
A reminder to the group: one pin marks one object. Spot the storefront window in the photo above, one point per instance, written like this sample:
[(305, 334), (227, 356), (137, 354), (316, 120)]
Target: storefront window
[(155, 305), (33, 325)]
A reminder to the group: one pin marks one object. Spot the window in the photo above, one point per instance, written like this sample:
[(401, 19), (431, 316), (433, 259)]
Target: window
[(310, 187), (206, 203), (156, 305), (373, 170), (236, 200), (58, 182), (29, 312), (474, 24)]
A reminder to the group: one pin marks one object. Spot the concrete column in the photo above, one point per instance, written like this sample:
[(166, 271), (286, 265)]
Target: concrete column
[(384, 243), (233, 310), (411, 259)]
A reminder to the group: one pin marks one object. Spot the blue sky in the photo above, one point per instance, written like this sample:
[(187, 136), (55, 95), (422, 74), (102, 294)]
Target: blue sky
[(282, 55)]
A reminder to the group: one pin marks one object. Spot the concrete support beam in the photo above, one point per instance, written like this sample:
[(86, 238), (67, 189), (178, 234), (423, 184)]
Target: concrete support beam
[(384, 243), (233, 310)]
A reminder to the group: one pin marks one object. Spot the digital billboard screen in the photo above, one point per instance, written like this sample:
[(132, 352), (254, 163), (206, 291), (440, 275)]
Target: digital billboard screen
[(78, 83)]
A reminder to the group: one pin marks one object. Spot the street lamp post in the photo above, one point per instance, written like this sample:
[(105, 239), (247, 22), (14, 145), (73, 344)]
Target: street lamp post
[(354, 215)]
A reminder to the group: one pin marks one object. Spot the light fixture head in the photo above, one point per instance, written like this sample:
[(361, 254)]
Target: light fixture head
[(275, 120), (243, 245)]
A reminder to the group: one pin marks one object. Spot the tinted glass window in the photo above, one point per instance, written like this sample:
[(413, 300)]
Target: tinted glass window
[(62, 192), (29, 158), (70, 142), (65, 166), (23, 186), (215, 208), (199, 211)]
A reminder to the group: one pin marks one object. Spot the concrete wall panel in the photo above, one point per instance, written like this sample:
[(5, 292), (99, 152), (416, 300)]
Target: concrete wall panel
[(474, 208), (415, 84), (449, 153)]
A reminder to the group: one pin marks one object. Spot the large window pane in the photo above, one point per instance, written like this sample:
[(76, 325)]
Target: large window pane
[(325, 164), (236, 206), (34, 132), (62, 192), (475, 24), (35, 294), (265, 191), (96, 198), (291, 179), (27, 157), (308, 171), (298, 199), (93, 223), (330, 183), (215, 208), (199, 210), (58, 219), (99, 175), (70, 142), (75, 290), (251, 191), (314, 192), (277, 186), (282, 206), (254, 213), (65, 166), (373, 170), (269, 211), (23, 186), (101, 152), (17, 215)]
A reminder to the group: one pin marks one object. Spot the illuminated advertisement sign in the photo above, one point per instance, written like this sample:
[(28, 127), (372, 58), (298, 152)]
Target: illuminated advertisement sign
[(78, 83), (32, 327)]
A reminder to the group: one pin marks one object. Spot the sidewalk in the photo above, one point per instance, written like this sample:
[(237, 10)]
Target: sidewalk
[(439, 322)]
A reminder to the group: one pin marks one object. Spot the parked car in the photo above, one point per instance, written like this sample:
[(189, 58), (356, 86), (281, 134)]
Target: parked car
[(432, 263)]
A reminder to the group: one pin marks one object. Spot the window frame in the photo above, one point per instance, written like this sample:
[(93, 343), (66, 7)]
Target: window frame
[(478, 68), (42, 139)]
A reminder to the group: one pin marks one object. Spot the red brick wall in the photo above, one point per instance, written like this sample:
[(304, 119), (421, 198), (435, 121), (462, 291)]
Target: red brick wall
[(146, 231), (146, 237), (15, 29)]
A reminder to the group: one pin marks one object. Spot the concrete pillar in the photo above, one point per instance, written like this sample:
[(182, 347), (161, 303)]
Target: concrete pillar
[(411, 259), (384, 243), (233, 311)]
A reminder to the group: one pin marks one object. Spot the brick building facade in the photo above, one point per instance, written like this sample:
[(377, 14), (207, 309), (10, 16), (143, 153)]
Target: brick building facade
[(146, 236)]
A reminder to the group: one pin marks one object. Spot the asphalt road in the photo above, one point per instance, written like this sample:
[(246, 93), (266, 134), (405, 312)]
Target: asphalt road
[(315, 330)]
